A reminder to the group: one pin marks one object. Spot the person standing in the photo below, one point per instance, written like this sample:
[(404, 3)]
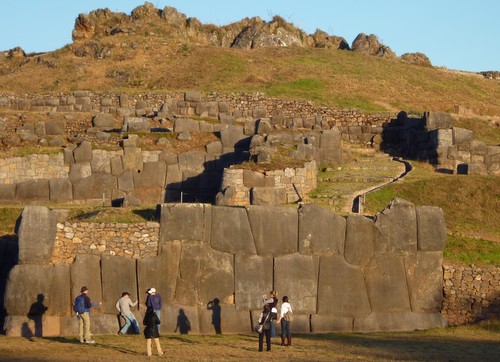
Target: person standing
[(123, 305), (266, 319), (151, 321), (285, 319), (273, 302), (154, 301), (82, 307)]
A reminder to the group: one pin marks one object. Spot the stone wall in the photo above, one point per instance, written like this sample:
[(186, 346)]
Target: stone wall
[(341, 273), (130, 240), (247, 187), (471, 293), (33, 167)]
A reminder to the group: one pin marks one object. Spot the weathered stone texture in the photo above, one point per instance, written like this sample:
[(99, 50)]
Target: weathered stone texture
[(36, 234)]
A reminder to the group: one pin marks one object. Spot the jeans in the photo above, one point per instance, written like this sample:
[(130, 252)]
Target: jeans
[(158, 312), (130, 320), (285, 328)]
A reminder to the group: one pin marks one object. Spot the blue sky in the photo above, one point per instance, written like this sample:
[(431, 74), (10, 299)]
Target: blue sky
[(457, 34)]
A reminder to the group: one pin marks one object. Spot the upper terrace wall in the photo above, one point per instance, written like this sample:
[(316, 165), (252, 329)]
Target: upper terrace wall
[(341, 273)]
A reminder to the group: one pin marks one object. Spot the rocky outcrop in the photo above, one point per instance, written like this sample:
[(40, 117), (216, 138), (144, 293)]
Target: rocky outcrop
[(417, 59), (370, 45)]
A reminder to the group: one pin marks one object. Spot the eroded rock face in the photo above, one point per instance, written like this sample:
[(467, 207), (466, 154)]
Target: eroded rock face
[(417, 59), (370, 45)]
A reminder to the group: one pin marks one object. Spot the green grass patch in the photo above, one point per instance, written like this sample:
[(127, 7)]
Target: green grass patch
[(310, 88), (472, 250), (8, 218), (483, 130)]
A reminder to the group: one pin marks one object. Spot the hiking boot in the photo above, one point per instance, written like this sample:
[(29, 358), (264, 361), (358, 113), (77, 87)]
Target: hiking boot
[(90, 341)]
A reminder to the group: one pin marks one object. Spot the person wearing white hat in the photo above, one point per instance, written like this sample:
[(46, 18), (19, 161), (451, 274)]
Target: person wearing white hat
[(154, 301)]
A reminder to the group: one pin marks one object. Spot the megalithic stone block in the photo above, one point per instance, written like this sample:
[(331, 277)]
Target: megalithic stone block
[(431, 229), (204, 274), (118, 275), (86, 271), (321, 232), (359, 243), (160, 272), (184, 222), (341, 288), (29, 287), (37, 232), (424, 274), (385, 278), (275, 229), (253, 278), (231, 231), (396, 228), (303, 271)]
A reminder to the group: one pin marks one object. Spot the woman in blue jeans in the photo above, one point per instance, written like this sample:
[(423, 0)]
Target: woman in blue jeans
[(285, 316)]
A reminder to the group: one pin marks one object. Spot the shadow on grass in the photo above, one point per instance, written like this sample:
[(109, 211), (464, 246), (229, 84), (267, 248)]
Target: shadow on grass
[(72, 340)]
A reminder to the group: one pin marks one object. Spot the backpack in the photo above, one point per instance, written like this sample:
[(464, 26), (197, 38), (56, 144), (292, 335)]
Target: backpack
[(79, 306)]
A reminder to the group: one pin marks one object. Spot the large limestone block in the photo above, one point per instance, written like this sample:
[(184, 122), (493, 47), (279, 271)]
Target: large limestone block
[(330, 139), (97, 186), (396, 228), (183, 221), (321, 232), (86, 271), (100, 162), (54, 128), (424, 273), (126, 181), (232, 320), (330, 323), (8, 192), (160, 272), (296, 276), (150, 195), (136, 124), (36, 235), (180, 319), (69, 326), (204, 274), (118, 275), (132, 159), (404, 321), (232, 136), (116, 166), (186, 124), (33, 190), (192, 161), (275, 229), (437, 120), (60, 190), (152, 175), (341, 289), (253, 278), (268, 196), (431, 229), (22, 326), (359, 239), (105, 323), (385, 279), (83, 153), (61, 293), (104, 121), (78, 171), (231, 231), (462, 135), (29, 287)]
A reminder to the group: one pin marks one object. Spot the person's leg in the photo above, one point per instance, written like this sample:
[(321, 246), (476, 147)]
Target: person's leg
[(282, 332), (268, 339), (158, 347), (148, 346), (261, 341), (126, 326), (86, 326), (133, 320), (158, 312), (80, 327)]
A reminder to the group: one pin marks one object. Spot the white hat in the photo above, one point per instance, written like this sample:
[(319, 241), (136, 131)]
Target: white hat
[(151, 290)]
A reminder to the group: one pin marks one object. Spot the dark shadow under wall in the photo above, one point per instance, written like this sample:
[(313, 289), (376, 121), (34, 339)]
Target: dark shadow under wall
[(8, 258)]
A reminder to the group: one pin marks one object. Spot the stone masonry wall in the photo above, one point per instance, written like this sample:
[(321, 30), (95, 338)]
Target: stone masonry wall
[(246, 187), (33, 167), (131, 240), (471, 293)]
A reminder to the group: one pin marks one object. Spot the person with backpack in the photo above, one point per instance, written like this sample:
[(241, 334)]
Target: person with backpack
[(285, 320), (82, 307), (151, 321), (266, 320)]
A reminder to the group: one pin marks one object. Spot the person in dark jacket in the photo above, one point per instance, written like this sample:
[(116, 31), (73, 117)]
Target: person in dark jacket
[(266, 319), (84, 316), (151, 321)]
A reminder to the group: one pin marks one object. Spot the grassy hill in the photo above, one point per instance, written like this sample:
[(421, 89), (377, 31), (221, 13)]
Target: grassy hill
[(329, 77)]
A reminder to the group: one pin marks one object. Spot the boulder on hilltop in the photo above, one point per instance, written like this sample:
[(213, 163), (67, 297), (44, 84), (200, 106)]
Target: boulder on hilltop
[(370, 45), (417, 59)]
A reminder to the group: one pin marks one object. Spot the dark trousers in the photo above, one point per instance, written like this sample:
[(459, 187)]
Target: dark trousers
[(267, 333), (285, 328)]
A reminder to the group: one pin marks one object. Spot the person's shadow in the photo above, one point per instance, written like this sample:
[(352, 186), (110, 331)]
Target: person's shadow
[(214, 306), (183, 324), (36, 312)]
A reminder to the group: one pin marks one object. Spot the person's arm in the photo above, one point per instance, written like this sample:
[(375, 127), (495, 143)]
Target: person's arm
[(133, 304), (117, 305)]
